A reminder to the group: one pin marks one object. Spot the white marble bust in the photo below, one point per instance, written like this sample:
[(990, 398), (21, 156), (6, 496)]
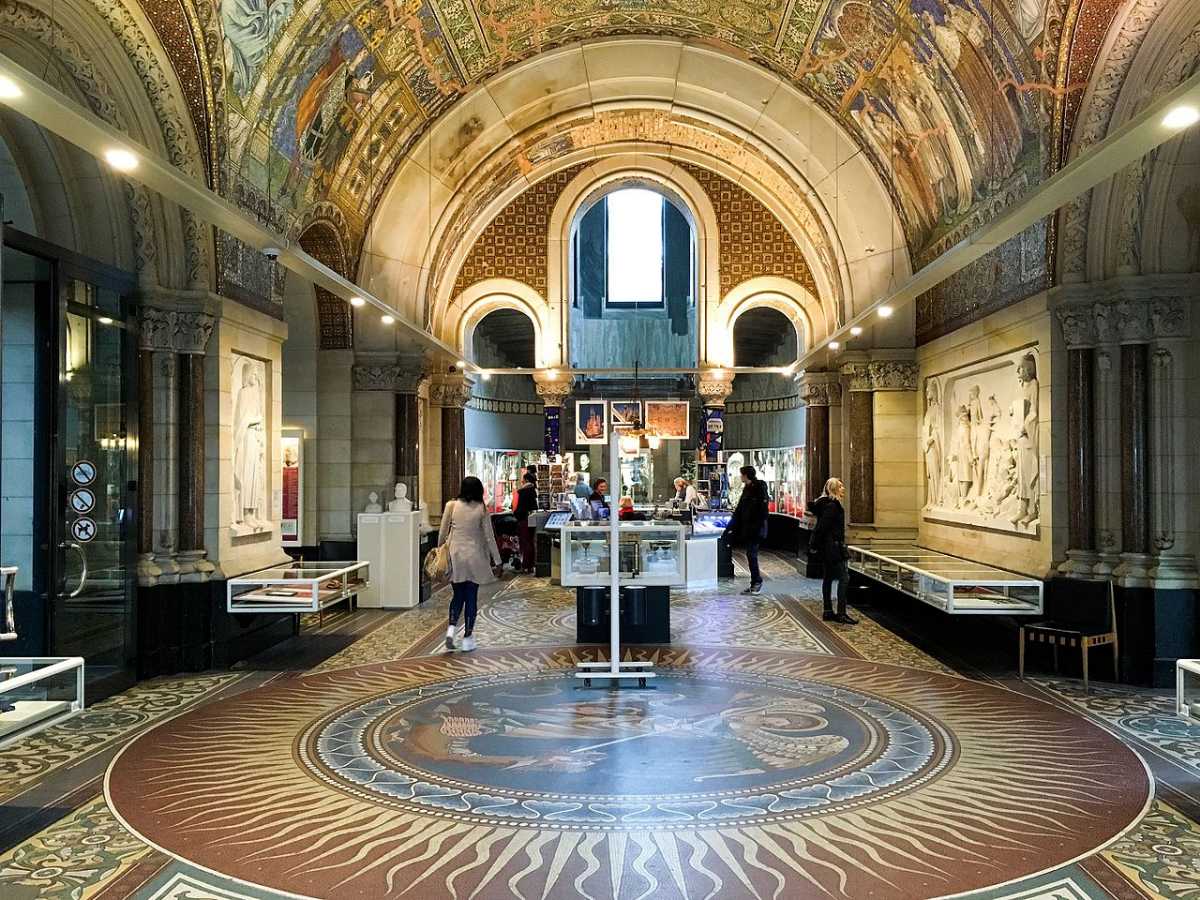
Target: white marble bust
[(373, 504), (401, 503)]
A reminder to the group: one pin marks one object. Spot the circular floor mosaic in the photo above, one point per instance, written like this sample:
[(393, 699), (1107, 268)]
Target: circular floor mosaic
[(496, 775)]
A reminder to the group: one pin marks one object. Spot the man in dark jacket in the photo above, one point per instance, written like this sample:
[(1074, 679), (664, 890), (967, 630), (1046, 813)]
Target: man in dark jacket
[(749, 523), (526, 503)]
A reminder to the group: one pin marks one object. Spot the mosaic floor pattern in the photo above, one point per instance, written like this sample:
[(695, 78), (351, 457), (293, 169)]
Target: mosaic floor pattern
[(754, 772)]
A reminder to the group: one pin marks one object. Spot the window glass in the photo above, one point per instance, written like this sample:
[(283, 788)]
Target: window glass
[(635, 247)]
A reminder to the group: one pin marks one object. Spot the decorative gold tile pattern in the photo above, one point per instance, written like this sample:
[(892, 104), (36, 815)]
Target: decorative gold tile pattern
[(335, 319)]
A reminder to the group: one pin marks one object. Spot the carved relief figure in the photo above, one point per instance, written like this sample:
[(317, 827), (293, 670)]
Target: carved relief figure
[(1027, 443), (931, 439), (962, 457), (980, 441), (249, 445)]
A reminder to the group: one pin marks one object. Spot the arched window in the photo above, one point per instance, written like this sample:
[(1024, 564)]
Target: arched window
[(633, 250)]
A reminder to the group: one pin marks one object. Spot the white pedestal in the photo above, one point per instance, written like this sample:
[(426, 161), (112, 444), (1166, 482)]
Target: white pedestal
[(390, 542), (701, 561)]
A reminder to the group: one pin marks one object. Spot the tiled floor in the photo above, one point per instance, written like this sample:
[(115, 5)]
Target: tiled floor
[(777, 756)]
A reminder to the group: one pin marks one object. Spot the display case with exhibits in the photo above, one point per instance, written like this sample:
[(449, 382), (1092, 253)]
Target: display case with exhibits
[(299, 587), (946, 582), (500, 471), (651, 553), (783, 470), (979, 439), (37, 692)]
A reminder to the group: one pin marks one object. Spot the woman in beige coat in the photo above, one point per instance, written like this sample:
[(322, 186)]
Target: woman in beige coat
[(467, 525)]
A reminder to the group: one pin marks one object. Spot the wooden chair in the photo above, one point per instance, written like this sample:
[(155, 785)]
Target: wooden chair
[(1067, 632)]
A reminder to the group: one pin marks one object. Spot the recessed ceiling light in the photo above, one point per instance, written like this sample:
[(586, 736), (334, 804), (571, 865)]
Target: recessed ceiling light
[(855, 331), (462, 363), (357, 301), (388, 320), (833, 345), (885, 312), (8, 88), (1181, 117), (105, 320), (486, 376), (552, 374), (121, 159)]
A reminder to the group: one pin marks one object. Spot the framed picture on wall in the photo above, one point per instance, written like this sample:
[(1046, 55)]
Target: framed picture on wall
[(669, 419), (292, 484), (591, 422), (624, 413)]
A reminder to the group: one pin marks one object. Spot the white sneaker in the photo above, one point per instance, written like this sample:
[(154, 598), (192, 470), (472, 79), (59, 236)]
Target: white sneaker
[(450, 638), (468, 644)]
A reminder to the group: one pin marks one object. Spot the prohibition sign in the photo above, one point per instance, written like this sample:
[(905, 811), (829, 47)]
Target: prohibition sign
[(83, 500), (83, 472), (83, 529)]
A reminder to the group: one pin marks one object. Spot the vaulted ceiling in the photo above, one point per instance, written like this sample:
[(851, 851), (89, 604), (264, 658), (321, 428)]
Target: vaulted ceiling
[(950, 99)]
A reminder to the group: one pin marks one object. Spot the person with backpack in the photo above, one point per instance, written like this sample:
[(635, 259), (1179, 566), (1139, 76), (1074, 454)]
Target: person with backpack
[(474, 556), (749, 523), (828, 543)]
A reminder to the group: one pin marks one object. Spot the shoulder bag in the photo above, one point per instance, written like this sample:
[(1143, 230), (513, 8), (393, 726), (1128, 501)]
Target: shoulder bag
[(437, 561)]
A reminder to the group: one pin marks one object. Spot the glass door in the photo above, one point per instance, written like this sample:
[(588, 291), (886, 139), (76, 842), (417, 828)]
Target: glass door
[(92, 611)]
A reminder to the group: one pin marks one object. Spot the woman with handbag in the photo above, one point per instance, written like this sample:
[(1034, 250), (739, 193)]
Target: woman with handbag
[(468, 545), (828, 542)]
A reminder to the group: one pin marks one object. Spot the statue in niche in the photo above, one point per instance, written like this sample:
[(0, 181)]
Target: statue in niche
[(1028, 489), (962, 458), (373, 504), (931, 436), (980, 442), (249, 446), (401, 503)]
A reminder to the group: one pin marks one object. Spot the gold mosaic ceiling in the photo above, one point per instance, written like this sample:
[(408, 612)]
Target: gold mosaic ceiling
[(945, 96)]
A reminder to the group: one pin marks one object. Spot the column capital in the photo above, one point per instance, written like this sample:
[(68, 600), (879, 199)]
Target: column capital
[(821, 389), (180, 331), (388, 377), (714, 389), (451, 391), (1123, 317), (553, 391), (192, 331)]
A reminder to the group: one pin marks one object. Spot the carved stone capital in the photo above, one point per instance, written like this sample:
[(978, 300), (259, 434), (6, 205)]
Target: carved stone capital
[(1124, 311), (880, 375), (1078, 326), (819, 389), (156, 328), (714, 391), (193, 329), (450, 391), (554, 392), (394, 378), (857, 376)]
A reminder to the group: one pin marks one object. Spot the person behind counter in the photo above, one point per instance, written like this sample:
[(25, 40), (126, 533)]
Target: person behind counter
[(581, 489), (828, 541), (596, 499), (628, 513), (686, 494), (749, 523), (523, 504), (467, 527)]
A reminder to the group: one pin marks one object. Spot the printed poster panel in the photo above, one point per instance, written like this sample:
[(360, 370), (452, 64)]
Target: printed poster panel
[(291, 481)]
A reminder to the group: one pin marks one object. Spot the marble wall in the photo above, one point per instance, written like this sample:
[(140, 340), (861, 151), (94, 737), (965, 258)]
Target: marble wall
[(897, 476), (1021, 327)]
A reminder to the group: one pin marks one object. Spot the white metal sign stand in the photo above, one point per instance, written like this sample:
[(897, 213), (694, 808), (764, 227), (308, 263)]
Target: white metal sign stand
[(614, 670)]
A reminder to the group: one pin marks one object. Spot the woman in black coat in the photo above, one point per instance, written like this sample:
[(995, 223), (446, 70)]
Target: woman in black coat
[(828, 542)]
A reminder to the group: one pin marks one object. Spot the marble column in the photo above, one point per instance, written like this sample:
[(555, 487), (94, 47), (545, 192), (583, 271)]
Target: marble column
[(407, 453), (860, 471), (554, 393), (156, 332), (1079, 334), (819, 391), (714, 390), (1135, 448), (451, 393), (192, 336)]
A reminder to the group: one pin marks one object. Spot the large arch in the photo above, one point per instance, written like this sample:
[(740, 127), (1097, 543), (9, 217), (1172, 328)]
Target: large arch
[(560, 108), (787, 297), (485, 297)]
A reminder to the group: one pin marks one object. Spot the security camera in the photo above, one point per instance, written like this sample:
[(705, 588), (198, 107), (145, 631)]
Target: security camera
[(272, 252)]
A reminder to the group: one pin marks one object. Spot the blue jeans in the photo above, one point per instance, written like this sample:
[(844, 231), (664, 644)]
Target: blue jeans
[(466, 593), (752, 561)]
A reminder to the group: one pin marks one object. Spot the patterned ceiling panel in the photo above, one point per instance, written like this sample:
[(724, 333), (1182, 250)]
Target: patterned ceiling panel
[(950, 99)]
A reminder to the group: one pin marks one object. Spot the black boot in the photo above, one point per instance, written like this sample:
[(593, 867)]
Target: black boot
[(846, 619), (828, 615)]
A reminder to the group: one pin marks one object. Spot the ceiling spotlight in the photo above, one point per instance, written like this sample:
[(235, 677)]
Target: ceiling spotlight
[(462, 363), (388, 320), (718, 373), (552, 374), (105, 320), (1179, 117), (833, 345), (855, 331), (486, 376), (357, 301), (8, 88), (885, 312), (121, 159)]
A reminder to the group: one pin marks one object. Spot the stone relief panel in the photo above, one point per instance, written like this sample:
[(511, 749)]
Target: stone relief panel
[(980, 441), (248, 392)]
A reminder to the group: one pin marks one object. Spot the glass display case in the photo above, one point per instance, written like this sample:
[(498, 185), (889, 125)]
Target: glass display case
[(783, 470), (500, 471), (651, 553), (37, 692), (1187, 688), (710, 524), (299, 587), (946, 582)]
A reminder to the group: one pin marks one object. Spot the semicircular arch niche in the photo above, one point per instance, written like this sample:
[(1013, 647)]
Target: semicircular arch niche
[(335, 317)]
